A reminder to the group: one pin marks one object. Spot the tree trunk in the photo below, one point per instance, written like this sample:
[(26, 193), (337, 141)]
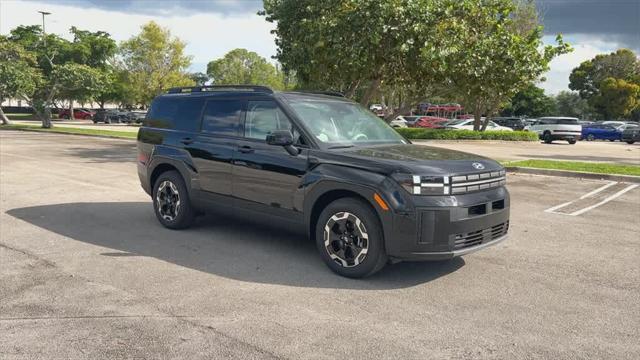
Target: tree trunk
[(46, 119), (71, 117), (371, 92), (3, 117), (477, 119)]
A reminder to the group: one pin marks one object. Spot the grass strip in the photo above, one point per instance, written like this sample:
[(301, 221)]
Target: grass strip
[(70, 130), (442, 134), (588, 167)]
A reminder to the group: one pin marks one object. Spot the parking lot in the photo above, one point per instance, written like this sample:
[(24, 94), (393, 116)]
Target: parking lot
[(86, 271)]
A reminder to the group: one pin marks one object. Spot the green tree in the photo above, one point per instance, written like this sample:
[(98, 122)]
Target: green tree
[(532, 102), (56, 60), (617, 98), (240, 66), (199, 78), (621, 64), (485, 53), (154, 61), (18, 73), (616, 74), (354, 46), (570, 103)]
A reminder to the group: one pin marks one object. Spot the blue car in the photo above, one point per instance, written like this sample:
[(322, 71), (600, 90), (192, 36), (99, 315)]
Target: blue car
[(600, 132)]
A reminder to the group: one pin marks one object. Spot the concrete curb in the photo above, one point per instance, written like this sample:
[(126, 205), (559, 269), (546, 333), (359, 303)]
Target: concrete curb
[(574, 174)]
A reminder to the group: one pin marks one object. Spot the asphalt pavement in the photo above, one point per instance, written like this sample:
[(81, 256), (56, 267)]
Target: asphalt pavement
[(87, 272)]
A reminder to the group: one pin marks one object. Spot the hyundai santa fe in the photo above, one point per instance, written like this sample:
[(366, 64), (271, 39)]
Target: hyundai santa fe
[(322, 164)]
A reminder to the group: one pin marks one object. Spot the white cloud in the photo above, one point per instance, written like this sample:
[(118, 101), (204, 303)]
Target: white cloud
[(208, 35), (585, 47)]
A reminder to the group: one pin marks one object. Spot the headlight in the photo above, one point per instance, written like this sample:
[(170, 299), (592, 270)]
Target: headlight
[(423, 185)]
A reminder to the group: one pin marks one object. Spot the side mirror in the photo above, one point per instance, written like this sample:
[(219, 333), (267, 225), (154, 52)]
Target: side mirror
[(280, 138), (283, 138)]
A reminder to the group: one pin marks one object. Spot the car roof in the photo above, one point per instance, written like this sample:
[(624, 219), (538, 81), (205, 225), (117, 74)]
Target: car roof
[(251, 91), (557, 118)]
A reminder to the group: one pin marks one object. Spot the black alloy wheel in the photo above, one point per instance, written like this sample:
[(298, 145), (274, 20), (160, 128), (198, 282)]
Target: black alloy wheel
[(349, 238)]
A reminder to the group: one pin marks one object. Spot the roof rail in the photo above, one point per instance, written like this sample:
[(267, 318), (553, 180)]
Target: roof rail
[(192, 89), (322, 92)]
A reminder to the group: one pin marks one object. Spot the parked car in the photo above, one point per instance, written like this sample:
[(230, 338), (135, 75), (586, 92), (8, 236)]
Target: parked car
[(136, 116), (431, 122), (399, 122), (468, 125), (109, 116), (600, 132), (557, 128), (409, 120), (514, 123), (321, 164), (616, 124), (631, 134), (82, 114)]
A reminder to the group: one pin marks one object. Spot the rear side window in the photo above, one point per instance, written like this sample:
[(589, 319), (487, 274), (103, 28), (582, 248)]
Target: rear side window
[(567, 122), (175, 113), (222, 117)]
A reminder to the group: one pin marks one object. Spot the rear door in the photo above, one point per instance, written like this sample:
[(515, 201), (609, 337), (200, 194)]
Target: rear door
[(212, 149), (267, 176)]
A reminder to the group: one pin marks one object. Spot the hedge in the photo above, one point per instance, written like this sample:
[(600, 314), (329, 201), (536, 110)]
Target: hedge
[(442, 134)]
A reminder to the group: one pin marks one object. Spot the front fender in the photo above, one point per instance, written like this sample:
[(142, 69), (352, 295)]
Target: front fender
[(327, 178)]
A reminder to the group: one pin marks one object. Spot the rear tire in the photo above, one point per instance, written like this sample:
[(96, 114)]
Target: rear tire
[(630, 142), (349, 238), (171, 202), (547, 138), (591, 137), (572, 142)]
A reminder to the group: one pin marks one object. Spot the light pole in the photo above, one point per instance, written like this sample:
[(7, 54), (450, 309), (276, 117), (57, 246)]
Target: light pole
[(44, 34)]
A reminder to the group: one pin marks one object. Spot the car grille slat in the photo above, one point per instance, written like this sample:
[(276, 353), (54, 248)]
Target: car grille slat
[(462, 184), (473, 238)]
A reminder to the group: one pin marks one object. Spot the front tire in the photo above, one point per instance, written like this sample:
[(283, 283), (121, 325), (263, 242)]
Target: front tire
[(171, 201), (349, 238), (630, 142)]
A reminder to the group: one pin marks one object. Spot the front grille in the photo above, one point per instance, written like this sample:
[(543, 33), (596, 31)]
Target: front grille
[(461, 184), (462, 241)]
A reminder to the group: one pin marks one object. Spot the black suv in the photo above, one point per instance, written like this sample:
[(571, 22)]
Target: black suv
[(323, 163)]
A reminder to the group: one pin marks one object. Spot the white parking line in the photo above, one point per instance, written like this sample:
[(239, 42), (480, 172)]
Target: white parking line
[(619, 193), (553, 209), (590, 194)]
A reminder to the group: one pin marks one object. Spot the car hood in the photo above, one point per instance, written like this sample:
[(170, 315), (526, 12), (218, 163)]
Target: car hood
[(415, 159)]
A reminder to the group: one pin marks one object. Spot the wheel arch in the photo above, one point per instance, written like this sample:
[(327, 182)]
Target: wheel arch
[(326, 198)]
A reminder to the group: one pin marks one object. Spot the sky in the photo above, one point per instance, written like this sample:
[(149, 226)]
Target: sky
[(212, 28)]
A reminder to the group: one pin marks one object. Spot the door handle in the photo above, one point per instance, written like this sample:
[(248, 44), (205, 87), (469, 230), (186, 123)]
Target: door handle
[(245, 149), (186, 140)]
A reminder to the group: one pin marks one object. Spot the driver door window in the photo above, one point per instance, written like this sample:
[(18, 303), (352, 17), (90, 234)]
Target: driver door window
[(264, 117)]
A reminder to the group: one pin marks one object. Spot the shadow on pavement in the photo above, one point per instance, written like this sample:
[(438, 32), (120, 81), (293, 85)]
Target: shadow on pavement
[(218, 245), (116, 152)]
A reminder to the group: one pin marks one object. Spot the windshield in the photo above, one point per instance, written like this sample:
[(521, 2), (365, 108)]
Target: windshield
[(456, 122), (340, 123)]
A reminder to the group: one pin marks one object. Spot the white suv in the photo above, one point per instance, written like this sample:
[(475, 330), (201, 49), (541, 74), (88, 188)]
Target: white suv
[(557, 128)]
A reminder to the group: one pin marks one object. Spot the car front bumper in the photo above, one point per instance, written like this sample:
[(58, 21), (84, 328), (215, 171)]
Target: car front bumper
[(476, 221)]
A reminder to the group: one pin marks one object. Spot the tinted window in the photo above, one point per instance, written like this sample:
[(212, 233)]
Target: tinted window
[(175, 113), (222, 117), (264, 117)]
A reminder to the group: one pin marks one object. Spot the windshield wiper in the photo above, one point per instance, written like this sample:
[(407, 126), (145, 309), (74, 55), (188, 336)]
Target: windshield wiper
[(340, 147)]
